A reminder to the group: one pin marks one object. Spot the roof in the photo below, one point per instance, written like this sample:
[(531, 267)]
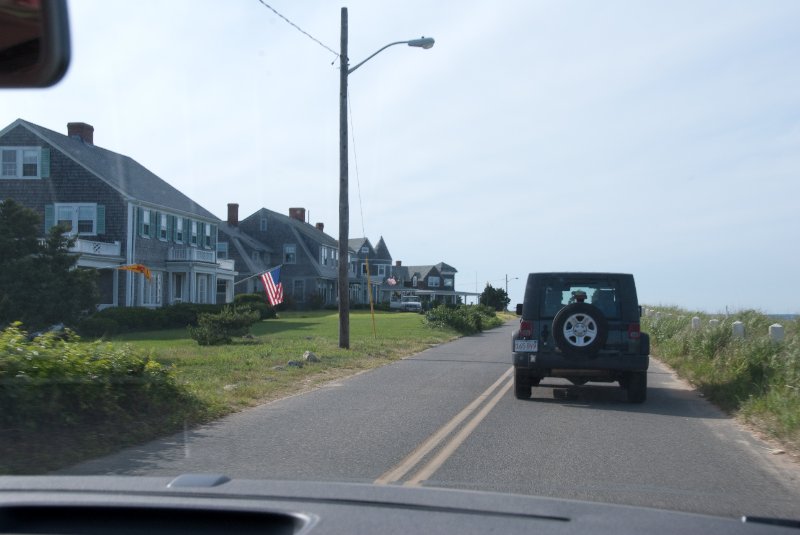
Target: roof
[(355, 244), (121, 172), (304, 228), (381, 251)]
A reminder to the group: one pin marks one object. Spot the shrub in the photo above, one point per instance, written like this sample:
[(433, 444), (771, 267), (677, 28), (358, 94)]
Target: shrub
[(98, 327), (215, 329), (55, 380), (465, 319), (257, 302)]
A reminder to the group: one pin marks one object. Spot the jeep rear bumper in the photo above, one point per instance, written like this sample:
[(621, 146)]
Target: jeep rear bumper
[(555, 361)]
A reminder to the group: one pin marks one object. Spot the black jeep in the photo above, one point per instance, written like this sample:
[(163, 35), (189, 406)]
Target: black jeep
[(581, 327)]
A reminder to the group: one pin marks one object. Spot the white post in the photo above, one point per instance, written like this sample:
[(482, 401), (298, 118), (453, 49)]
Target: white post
[(776, 332), (738, 329), (695, 323), (713, 324)]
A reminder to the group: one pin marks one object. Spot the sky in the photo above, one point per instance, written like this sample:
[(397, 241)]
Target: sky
[(658, 138)]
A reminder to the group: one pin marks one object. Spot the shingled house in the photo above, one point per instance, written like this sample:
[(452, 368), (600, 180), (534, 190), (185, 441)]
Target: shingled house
[(119, 212)]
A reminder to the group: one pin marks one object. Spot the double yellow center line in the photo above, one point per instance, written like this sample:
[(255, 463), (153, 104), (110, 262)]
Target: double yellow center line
[(416, 457)]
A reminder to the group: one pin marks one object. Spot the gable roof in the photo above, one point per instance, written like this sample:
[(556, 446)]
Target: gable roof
[(122, 173), (381, 251), (300, 226), (355, 244)]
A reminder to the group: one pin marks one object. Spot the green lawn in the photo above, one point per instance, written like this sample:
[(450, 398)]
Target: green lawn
[(250, 371)]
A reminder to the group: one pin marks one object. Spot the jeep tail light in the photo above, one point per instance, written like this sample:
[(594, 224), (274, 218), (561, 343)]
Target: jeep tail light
[(525, 328), (633, 331)]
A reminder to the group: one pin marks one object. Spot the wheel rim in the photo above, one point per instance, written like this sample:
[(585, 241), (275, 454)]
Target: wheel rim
[(580, 330)]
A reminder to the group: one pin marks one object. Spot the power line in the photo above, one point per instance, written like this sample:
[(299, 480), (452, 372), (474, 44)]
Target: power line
[(298, 28)]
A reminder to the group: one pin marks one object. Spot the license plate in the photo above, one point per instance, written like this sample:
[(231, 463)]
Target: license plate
[(526, 346)]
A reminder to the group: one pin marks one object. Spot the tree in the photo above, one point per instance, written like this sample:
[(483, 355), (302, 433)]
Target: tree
[(497, 298), (39, 283)]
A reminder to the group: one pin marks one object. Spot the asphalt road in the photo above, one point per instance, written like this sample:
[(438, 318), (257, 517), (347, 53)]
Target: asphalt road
[(447, 417)]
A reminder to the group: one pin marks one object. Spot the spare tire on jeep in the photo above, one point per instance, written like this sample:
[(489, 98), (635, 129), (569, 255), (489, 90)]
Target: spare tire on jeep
[(580, 329)]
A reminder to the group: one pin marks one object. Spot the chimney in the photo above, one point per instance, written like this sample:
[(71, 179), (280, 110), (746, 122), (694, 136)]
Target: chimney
[(320, 227), (233, 214), (398, 263), (298, 214), (83, 131)]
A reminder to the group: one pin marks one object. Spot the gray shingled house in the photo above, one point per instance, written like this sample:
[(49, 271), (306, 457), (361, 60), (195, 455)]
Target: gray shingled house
[(308, 256), (120, 213)]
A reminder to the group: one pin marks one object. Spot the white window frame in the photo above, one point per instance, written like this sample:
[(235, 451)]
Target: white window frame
[(382, 270), (289, 249), (207, 238), (75, 208), (434, 281), (179, 230), (222, 249), (194, 234), (19, 162), (146, 223), (152, 289), (162, 228)]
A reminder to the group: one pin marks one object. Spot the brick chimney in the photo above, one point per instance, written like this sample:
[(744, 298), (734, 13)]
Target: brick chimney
[(398, 263), (83, 131), (320, 227), (233, 214), (298, 214)]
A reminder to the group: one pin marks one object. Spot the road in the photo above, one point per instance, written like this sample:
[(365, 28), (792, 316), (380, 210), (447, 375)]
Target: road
[(447, 417)]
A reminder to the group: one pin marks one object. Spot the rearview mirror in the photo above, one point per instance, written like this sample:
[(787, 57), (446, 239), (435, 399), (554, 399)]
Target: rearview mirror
[(34, 42)]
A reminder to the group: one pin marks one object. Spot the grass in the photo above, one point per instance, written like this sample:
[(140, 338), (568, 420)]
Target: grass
[(219, 380), (753, 378), (254, 370)]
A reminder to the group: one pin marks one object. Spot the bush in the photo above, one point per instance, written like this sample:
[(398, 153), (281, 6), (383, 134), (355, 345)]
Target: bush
[(257, 302), (130, 319), (216, 329), (98, 327), (57, 381), (752, 375), (464, 319)]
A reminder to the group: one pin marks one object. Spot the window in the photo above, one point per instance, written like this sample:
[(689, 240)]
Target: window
[(289, 253), (222, 249), (382, 269), (324, 256), (151, 290), (179, 229), (162, 227), (364, 269), (448, 283), (365, 249), (177, 288), (202, 288), (146, 223), (207, 242), (263, 224), (434, 282), (21, 162), (414, 281), (256, 256), (77, 218), (194, 232)]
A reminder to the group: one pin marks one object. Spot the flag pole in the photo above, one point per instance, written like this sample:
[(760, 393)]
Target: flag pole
[(257, 275)]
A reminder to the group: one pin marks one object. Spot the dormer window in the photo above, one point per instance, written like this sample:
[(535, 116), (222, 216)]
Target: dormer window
[(21, 162)]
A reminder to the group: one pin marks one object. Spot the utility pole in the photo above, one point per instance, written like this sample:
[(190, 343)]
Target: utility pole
[(344, 201)]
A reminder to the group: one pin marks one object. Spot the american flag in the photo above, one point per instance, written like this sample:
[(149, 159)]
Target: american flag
[(273, 286)]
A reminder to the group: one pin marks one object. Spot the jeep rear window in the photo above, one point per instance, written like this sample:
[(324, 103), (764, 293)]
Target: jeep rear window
[(558, 294)]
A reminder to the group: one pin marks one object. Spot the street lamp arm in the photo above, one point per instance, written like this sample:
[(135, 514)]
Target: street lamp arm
[(425, 42)]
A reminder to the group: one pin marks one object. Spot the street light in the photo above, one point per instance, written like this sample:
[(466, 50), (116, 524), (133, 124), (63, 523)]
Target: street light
[(344, 202)]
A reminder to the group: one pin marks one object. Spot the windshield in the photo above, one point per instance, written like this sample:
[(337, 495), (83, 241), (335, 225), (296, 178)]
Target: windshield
[(208, 236)]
